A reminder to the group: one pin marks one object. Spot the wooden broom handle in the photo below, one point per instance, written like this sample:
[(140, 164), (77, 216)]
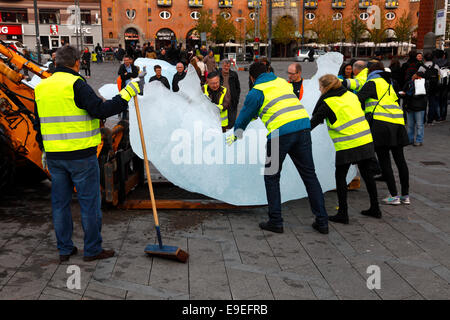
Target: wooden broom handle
[(147, 168)]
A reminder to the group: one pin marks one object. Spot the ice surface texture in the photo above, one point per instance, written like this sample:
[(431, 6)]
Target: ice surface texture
[(185, 142)]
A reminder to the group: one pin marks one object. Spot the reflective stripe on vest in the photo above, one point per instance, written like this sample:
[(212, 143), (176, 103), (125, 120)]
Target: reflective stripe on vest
[(223, 113), (350, 130), (64, 126), (280, 104), (358, 82), (387, 109)]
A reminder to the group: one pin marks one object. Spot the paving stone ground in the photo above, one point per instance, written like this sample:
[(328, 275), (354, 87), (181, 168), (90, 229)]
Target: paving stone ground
[(230, 257)]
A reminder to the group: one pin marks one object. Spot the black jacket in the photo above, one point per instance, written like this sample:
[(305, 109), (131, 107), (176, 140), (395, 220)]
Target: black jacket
[(85, 98), (162, 79), (235, 93), (321, 112), (414, 102), (385, 134), (177, 78), (124, 75)]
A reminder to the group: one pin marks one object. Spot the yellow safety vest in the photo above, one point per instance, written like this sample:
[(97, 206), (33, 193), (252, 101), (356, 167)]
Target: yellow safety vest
[(280, 104), (64, 126), (223, 112), (351, 128), (387, 109), (357, 83)]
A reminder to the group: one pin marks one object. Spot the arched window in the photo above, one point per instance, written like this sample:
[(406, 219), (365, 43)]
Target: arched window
[(390, 16), (165, 15), (310, 16), (195, 15), (364, 16)]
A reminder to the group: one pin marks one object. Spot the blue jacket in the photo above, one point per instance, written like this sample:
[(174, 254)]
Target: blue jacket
[(254, 101)]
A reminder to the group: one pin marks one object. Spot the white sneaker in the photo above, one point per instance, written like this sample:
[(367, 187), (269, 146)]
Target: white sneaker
[(392, 200), (405, 200)]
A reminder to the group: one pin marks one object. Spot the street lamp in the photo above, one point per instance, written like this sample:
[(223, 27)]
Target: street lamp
[(242, 19)]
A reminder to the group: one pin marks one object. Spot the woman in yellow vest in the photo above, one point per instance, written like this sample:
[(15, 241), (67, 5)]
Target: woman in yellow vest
[(379, 102), (350, 132)]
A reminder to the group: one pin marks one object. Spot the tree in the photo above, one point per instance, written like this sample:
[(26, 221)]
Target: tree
[(403, 28), (284, 31), (262, 30), (223, 31), (204, 22), (355, 27)]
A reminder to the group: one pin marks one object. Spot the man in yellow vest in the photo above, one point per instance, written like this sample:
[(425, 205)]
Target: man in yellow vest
[(67, 121), (218, 95), (360, 73), (289, 132)]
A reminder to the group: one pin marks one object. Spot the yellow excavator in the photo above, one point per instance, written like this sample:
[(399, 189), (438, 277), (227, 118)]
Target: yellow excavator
[(20, 156)]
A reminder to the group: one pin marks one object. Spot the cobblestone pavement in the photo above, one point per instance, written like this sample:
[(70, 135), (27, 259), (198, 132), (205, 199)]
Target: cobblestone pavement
[(231, 258)]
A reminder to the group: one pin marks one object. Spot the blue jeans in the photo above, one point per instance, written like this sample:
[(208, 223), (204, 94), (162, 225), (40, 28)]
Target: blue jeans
[(415, 120), (298, 146), (84, 174), (433, 109)]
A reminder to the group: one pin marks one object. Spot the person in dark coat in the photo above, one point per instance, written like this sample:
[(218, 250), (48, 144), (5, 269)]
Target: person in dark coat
[(86, 62), (388, 137), (159, 77), (120, 53), (127, 71), (230, 80), (177, 77)]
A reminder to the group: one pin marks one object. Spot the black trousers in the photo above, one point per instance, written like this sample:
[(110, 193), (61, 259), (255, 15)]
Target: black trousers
[(364, 167), (384, 158), (87, 69)]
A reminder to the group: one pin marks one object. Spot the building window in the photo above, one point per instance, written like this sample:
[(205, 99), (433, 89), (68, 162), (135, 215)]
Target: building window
[(13, 15), (337, 16), (310, 16), (195, 3), (109, 14), (278, 4), (165, 15), (165, 3), (363, 4), (311, 4), (88, 40), (252, 3), (85, 17), (390, 16), (252, 15), (111, 35), (391, 4), (49, 16), (364, 16), (226, 15), (225, 3), (338, 4), (195, 15)]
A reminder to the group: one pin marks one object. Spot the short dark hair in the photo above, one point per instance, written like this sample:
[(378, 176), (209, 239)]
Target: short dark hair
[(127, 56), (67, 56), (256, 69), (213, 75), (376, 66), (428, 56), (157, 67)]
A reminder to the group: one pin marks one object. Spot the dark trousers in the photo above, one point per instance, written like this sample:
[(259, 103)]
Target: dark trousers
[(443, 101), (433, 108), (87, 69), (364, 167), (298, 146), (384, 159)]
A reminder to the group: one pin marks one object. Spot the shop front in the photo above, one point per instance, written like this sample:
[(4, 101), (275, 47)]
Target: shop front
[(165, 37), (11, 32)]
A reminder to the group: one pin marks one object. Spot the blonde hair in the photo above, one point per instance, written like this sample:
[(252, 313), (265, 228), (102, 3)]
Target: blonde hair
[(329, 82)]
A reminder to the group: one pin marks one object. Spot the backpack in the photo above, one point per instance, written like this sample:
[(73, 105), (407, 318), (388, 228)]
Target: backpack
[(432, 78)]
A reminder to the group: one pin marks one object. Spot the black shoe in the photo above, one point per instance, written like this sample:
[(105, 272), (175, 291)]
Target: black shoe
[(270, 227), (375, 213), (65, 257), (321, 229), (340, 217), (379, 177)]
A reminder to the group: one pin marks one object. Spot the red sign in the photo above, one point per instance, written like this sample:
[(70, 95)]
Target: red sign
[(10, 29)]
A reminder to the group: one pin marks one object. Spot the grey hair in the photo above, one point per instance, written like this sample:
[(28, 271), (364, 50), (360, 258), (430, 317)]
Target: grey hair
[(359, 65), (67, 56), (225, 61)]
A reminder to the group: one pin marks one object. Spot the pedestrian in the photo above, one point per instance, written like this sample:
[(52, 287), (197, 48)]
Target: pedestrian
[(210, 61), (346, 71), (387, 123), (159, 77), (269, 69), (99, 51), (431, 71), (230, 80), (295, 78), (396, 73), (52, 65), (350, 133), (177, 77), (163, 55), (311, 54), (218, 95), (151, 53), (360, 72), (202, 66), (415, 92), (67, 122), (410, 67), (86, 57), (127, 71), (120, 53), (270, 99), (193, 62)]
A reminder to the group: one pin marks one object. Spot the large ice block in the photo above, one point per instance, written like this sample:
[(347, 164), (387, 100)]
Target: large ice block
[(185, 142)]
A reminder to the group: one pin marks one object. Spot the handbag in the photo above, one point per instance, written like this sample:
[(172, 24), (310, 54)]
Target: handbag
[(369, 116)]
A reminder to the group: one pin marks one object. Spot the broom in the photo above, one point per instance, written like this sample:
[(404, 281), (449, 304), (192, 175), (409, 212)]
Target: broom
[(160, 250)]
